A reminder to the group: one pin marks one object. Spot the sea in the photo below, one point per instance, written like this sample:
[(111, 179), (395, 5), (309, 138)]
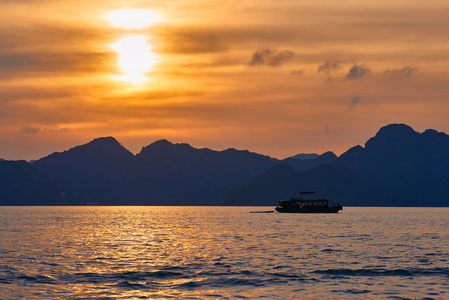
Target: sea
[(152, 252)]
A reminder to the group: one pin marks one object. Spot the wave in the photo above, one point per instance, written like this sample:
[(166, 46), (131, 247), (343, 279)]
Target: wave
[(385, 272), (218, 282), (185, 278), (130, 285), (38, 279), (125, 276)]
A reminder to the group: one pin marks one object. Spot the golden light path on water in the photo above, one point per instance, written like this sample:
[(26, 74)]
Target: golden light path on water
[(181, 252), (134, 52)]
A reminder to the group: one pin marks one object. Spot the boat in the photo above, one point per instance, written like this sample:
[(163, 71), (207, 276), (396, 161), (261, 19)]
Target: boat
[(305, 204)]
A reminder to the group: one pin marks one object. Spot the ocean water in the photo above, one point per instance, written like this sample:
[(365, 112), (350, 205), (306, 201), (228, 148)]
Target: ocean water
[(223, 252)]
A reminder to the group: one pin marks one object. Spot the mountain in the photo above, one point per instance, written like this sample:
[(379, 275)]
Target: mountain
[(163, 173), (304, 165), (178, 174), (22, 184), (95, 172), (397, 167), (305, 156), (409, 165), (281, 181)]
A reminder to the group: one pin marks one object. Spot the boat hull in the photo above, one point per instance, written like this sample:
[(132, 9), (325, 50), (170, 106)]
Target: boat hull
[(311, 210)]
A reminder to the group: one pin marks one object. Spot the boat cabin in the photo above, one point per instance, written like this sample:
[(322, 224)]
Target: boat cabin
[(300, 203), (308, 205)]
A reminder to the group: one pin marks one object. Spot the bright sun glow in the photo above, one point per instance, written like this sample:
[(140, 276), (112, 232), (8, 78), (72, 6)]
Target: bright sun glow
[(133, 18), (135, 58)]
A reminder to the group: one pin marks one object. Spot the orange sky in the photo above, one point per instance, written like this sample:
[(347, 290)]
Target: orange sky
[(274, 77)]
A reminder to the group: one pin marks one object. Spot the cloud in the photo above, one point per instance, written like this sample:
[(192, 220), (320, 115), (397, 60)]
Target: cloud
[(192, 41), (358, 72), (216, 39), (354, 102), (396, 74), (271, 57), (49, 36), (31, 49), (15, 65), (30, 130), (296, 72), (329, 65)]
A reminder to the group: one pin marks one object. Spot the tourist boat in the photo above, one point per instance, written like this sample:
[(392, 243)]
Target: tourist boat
[(305, 204)]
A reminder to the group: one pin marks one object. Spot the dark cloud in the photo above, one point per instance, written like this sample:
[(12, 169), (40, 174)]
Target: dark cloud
[(296, 72), (28, 48), (188, 41), (358, 72), (354, 102), (39, 37), (13, 60), (13, 65), (44, 94), (400, 73), (329, 27), (329, 65), (191, 39), (270, 57), (29, 130)]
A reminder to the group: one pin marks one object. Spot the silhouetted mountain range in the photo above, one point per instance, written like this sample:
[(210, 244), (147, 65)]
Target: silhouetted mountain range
[(305, 156), (163, 173), (281, 181), (397, 167), (411, 166), (22, 184), (92, 172)]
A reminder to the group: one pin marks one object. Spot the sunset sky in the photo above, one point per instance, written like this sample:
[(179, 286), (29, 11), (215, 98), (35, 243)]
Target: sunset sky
[(274, 77)]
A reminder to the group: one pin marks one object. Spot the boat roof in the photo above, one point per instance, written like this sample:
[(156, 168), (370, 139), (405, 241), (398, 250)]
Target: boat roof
[(304, 200)]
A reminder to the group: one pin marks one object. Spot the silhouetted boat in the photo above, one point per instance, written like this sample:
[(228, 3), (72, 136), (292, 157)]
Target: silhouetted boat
[(308, 205)]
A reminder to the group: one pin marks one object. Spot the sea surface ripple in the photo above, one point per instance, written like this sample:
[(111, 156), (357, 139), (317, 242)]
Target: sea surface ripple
[(223, 253)]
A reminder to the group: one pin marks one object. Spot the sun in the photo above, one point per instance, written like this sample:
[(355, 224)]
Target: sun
[(133, 18), (135, 58), (134, 52)]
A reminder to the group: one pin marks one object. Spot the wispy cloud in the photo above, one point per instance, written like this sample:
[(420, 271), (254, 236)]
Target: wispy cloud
[(31, 64), (358, 72), (354, 102), (271, 57), (329, 65), (52, 48), (396, 74), (30, 130), (297, 73)]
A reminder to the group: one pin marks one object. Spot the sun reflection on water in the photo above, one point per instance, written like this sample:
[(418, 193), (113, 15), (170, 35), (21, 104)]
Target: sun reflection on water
[(213, 252)]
